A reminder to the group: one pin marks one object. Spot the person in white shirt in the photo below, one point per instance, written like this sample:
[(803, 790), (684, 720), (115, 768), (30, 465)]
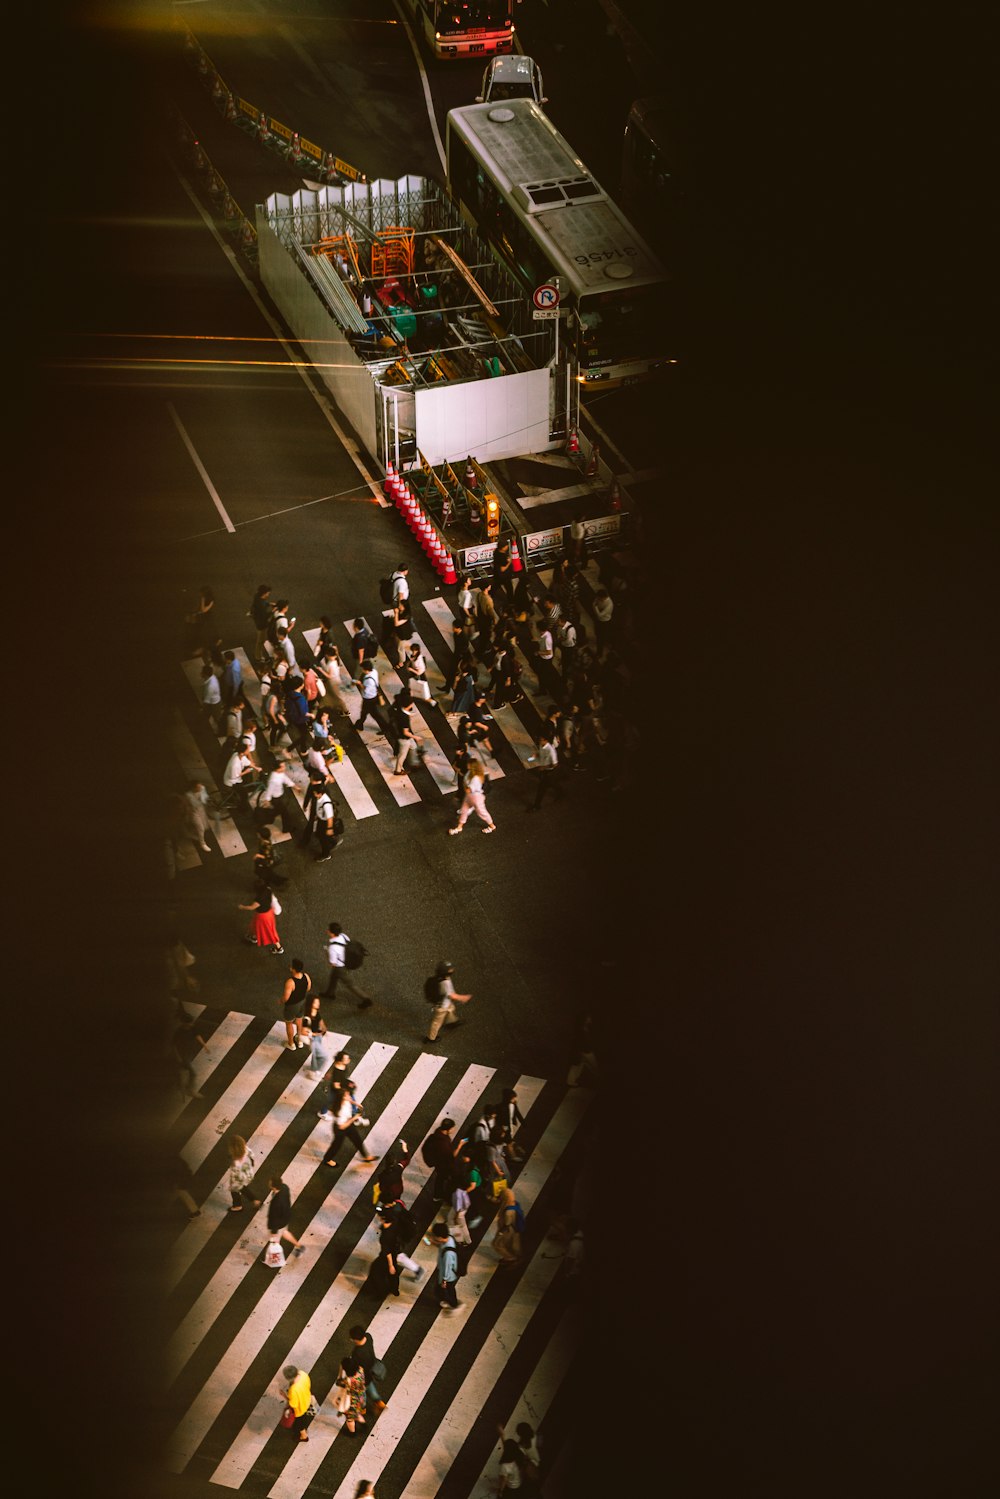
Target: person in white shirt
[(567, 645), (278, 783), (546, 763), (336, 941), (196, 816), (368, 683), (400, 591), (285, 652), (211, 693), (240, 769), (466, 599), (415, 675), (603, 611), (548, 678), (474, 800), (346, 1119), (326, 825)]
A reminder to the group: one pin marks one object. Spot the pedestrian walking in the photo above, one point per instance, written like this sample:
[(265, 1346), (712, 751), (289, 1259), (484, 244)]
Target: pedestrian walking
[(320, 1041), (447, 1266), (264, 861), (474, 800), (365, 1489), (211, 694), (442, 989), (402, 720), (509, 1227), (186, 1045), (528, 1456), (347, 1117), (503, 570), (458, 1210), (328, 823), (279, 1212), (371, 693), (363, 1349), (511, 1472), (352, 1379), (510, 1115), (467, 1172), (388, 1187), (333, 1080), (300, 1400), (396, 1228), (263, 930), (344, 957), (546, 770), (241, 769), (296, 711), (414, 674), (275, 798), (364, 646), (603, 611), (392, 590), (183, 1178), (441, 1152), (464, 694), (232, 679), (260, 612), (403, 630), (241, 1173), (293, 1004), (194, 815), (566, 639)]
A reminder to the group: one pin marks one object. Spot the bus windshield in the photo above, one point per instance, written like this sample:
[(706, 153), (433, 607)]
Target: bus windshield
[(472, 15), (616, 326)]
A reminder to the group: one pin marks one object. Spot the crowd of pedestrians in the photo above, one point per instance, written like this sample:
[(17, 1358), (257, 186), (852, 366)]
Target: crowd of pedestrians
[(473, 1174)]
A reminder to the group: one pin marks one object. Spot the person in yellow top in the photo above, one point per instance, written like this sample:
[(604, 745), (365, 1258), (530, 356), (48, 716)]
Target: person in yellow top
[(299, 1397)]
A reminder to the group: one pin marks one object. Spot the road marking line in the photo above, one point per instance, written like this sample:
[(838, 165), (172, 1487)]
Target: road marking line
[(194, 768), (467, 1404), (314, 1337), (322, 1226), (305, 1461), (425, 85), (322, 401), (192, 1241), (202, 470), (409, 1393), (222, 1038)]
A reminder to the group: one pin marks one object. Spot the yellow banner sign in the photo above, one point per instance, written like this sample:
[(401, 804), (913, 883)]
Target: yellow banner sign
[(248, 109), (279, 129), (312, 150)]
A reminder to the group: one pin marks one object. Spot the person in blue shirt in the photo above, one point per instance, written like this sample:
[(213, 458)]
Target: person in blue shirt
[(447, 1266), (232, 679), (297, 711)]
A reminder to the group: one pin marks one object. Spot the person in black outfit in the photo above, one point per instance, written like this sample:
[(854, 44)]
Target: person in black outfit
[(363, 1349), (390, 1178), (346, 1111), (440, 1152), (279, 1212), (363, 643)]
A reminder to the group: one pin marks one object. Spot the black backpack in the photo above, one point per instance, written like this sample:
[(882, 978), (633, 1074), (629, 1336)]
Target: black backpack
[(432, 989), (385, 590), (354, 954)]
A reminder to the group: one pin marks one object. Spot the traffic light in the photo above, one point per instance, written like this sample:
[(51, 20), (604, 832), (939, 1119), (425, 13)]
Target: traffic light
[(492, 518)]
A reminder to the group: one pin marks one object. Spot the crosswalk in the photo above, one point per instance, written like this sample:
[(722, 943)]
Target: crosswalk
[(366, 778), (453, 1376)]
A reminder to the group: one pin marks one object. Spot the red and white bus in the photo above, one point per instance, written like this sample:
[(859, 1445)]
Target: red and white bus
[(466, 28)]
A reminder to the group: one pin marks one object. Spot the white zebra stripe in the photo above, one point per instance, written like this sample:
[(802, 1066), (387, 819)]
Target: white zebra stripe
[(466, 1406), (222, 1038), (418, 1376), (188, 755), (198, 1232), (259, 1426), (213, 1396), (237, 1264)]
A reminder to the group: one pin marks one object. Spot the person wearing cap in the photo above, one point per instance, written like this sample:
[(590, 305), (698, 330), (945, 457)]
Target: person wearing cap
[(299, 1397), (444, 1010)]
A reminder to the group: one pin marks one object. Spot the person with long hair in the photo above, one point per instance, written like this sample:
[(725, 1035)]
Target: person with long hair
[(263, 930), (474, 800), (241, 1173)]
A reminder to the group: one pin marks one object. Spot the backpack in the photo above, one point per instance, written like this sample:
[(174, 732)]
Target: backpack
[(463, 1253), (385, 590), (432, 989), (354, 952), (432, 1151)]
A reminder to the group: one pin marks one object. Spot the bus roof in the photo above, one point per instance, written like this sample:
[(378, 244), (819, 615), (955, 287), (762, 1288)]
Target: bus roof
[(585, 233)]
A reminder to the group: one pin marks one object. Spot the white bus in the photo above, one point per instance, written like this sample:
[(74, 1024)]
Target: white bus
[(465, 28), (516, 178)]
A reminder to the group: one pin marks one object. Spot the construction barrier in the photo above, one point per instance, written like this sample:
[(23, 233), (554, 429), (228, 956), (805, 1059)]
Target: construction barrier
[(265, 127)]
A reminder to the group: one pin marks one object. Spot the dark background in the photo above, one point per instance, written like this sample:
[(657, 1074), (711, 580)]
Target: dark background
[(800, 1251)]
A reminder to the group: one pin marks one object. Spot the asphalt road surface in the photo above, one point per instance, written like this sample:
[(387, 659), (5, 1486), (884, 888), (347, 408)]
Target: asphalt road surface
[(793, 1246)]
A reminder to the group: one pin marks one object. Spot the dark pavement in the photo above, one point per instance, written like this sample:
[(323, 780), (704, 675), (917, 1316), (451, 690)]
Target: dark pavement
[(800, 1028)]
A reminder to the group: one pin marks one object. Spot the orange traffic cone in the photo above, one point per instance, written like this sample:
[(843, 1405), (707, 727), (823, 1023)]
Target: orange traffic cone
[(515, 556), (594, 460), (470, 475), (616, 495), (449, 569), (572, 443), (390, 474)]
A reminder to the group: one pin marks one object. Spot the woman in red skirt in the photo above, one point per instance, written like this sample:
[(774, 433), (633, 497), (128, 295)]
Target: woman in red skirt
[(263, 931)]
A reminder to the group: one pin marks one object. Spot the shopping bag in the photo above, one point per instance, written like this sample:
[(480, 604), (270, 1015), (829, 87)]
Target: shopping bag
[(287, 1416), (274, 1255)]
